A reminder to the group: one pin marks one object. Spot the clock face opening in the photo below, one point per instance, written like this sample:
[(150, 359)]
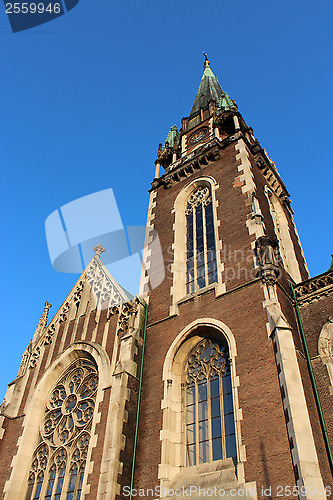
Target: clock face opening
[(198, 136)]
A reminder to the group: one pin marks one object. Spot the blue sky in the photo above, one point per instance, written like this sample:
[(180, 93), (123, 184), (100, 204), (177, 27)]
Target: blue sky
[(86, 98)]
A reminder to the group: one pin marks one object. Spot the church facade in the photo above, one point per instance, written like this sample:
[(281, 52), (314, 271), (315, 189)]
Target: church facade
[(217, 379)]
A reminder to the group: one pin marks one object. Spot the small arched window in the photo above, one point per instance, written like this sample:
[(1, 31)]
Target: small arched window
[(60, 482), (52, 476), (59, 460), (210, 426), (201, 269), (37, 471)]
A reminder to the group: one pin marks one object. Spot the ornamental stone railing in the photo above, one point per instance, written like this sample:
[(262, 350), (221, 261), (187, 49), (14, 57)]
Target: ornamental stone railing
[(321, 284)]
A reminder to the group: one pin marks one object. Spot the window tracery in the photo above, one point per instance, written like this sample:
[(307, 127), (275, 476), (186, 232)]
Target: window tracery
[(58, 463), (210, 426), (201, 268)]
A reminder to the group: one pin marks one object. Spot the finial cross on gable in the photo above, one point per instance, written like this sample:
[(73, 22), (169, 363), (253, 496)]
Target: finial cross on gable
[(98, 249)]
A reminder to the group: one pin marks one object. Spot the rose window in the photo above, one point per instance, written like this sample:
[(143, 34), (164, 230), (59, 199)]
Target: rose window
[(58, 463), (71, 405)]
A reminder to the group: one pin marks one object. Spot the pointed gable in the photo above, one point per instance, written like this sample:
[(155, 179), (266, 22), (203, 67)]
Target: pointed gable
[(104, 287), (95, 286)]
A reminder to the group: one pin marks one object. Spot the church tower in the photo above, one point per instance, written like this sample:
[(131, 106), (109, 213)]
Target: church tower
[(227, 396), (216, 380)]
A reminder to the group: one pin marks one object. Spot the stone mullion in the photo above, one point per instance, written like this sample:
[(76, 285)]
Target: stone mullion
[(54, 481), (196, 423), (77, 482), (34, 487), (65, 484), (210, 433), (57, 478), (205, 243), (224, 448), (44, 485), (195, 274), (32, 490)]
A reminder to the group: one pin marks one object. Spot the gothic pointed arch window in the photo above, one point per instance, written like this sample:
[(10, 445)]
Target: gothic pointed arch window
[(209, 413), (201, 267), (58, 463)]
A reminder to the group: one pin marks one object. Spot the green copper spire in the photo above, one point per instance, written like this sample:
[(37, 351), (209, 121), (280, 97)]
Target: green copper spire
[(207, 70), (209, 89), (331, 267), (172, 136)]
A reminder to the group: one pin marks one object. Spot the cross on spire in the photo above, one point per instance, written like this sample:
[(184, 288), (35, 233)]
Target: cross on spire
[(206, 63), (99, 249)]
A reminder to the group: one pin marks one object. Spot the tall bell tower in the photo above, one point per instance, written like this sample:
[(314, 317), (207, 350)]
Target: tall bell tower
[(225, 385)]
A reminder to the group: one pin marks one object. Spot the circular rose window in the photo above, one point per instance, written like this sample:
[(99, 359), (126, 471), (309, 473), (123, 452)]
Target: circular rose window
[(71, 404)]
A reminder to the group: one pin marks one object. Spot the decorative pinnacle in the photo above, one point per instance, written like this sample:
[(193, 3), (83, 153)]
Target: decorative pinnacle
[(43, 320), (98, 249), (206, 63)]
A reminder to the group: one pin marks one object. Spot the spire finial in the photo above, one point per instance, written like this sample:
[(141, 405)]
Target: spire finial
[(98, 249), (206, 63)]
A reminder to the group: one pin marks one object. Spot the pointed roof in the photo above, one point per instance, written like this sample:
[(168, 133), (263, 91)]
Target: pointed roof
[(209, 88), (96, 286)]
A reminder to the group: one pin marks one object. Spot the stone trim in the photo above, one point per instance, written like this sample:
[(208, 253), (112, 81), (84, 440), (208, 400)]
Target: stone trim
[(172, 434), (146, 260), (297, 236), (282, 231), (269, 170), (303, 451), (115, 441), (254, 223), (312, 288), (192, 162), (178, 271)]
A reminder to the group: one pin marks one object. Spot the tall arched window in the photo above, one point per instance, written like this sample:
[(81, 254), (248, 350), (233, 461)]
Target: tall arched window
[(201, 269), (59, 460), (210, 426)]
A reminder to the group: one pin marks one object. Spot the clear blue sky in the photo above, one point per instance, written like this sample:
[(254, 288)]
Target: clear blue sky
[(86, 98)]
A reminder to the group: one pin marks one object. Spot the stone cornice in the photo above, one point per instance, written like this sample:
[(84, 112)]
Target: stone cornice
[(268, 168), (194, 161), (315, 287), (211, 151)]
